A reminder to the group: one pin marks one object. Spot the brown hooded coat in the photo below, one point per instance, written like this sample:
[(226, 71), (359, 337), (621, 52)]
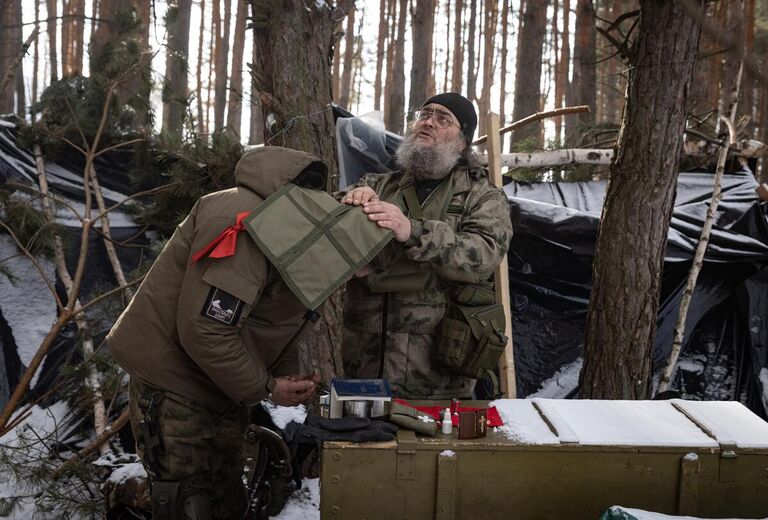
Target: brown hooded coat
[(165, 340)]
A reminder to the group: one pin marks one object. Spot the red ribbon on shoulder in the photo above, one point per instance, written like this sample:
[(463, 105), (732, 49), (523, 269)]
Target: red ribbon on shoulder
[(225, 244)]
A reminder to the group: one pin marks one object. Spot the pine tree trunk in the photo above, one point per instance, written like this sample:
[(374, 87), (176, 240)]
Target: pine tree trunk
[(397, 89), (215, 28), (388, 81), (175, 93), (52, 38), (256, 131), (222, 62), (734, 26), (621, 321), (583, 87), (381, 45), (471, 69), (36, 53), (563, 62), (10, 46), (136, 88), (505, 8), (528, 70), (349, 52), (457, 69), (235, 107), (201, 128), (489, 32), (447, 59), (76, 36), (66, 31), (423, 25), (294, 50)]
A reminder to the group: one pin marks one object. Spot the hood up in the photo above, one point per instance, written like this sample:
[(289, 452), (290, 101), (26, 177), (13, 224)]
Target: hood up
[(266, 169)]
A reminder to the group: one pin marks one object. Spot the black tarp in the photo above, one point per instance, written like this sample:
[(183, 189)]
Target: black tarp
[(550, 265)]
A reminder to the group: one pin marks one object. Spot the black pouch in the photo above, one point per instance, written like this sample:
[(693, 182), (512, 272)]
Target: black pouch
[(470, 338)]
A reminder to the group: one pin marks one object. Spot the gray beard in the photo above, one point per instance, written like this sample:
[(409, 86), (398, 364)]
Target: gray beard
[(428, 162)]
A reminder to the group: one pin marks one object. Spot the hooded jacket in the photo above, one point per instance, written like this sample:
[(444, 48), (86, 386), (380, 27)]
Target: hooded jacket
[(210, 331)]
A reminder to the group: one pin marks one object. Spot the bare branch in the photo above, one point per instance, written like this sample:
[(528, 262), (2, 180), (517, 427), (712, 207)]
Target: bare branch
[(534, 117)]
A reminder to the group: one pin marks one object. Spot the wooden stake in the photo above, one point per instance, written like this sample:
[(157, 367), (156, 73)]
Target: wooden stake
[(507, 364)]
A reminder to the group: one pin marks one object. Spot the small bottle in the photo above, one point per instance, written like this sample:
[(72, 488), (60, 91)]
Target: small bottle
[(447, 423)]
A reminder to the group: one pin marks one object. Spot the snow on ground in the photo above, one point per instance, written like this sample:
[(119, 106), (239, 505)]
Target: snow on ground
[(304, 503), (640, 514), (764, 383), (562, 383), (282, 415), (28, 306)]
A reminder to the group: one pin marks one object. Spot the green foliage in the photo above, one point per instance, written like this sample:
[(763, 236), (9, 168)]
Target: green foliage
[(196, 168), (23, 216)]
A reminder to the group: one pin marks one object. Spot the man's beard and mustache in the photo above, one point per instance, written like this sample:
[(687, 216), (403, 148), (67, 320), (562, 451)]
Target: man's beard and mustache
[(425, 162)]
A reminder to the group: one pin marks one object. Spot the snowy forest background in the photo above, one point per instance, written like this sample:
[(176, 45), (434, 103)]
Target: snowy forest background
[(119, 115)]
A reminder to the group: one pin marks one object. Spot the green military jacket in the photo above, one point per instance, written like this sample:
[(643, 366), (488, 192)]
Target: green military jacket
[(210, 331), (391, 333)]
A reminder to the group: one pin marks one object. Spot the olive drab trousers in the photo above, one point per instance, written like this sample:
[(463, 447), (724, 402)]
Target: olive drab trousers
[(194, 457)]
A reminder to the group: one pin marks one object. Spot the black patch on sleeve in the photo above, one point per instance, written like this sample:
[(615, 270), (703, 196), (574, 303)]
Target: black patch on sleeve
[(222, 307)]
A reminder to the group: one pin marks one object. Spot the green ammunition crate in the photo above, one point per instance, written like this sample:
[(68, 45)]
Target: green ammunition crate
[(560, 459)]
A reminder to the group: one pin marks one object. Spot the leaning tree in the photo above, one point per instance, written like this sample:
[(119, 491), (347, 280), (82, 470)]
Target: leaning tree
[(621, 321)]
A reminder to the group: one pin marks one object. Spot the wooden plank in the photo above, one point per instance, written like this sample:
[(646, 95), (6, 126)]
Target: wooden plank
[(507, 363)]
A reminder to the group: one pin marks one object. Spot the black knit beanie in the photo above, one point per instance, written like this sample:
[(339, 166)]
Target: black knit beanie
[(460, 107)]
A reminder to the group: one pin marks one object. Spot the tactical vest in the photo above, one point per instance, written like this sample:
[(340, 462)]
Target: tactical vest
[(327, 244), (403, 274)]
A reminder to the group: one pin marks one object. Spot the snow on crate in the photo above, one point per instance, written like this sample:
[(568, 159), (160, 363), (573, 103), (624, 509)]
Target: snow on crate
[(622, 423), (523, 423)]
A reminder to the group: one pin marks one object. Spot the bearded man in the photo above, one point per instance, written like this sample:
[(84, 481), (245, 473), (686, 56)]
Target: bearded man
[(452, 229)]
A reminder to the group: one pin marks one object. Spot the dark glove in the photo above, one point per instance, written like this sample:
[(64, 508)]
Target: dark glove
[(354, 429)]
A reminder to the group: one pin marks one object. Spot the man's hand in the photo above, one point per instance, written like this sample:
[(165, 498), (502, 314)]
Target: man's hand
[(359, 196), (389, 216), (294, 390)]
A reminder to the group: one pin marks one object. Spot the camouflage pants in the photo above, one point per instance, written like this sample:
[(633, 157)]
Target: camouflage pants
[(200, 449)]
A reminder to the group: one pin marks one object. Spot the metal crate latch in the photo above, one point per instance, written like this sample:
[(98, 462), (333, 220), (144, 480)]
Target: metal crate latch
[(729, 458)]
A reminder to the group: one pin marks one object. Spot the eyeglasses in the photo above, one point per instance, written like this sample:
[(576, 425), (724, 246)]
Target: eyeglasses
[(441, 119)]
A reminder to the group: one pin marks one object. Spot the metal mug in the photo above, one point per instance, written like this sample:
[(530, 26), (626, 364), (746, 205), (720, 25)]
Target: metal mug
[(357, 408)]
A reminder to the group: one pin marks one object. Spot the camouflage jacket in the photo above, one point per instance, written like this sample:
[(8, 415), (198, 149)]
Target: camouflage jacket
[(391, 334)]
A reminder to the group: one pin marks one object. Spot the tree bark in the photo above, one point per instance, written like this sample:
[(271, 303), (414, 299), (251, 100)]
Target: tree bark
[(394, 122), (349, 52), (447, 59), (222, 63), (256, 132), (528, 70), (583, 87), (294, 69), (176, 94), (457, 69), (201, 129), (504, 52), (471, 34), (381, 45), (235, 106), (52, 38), (489, 32), (10, 46), (563, 65), (423, 25), (621, 320), (388, 81)]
